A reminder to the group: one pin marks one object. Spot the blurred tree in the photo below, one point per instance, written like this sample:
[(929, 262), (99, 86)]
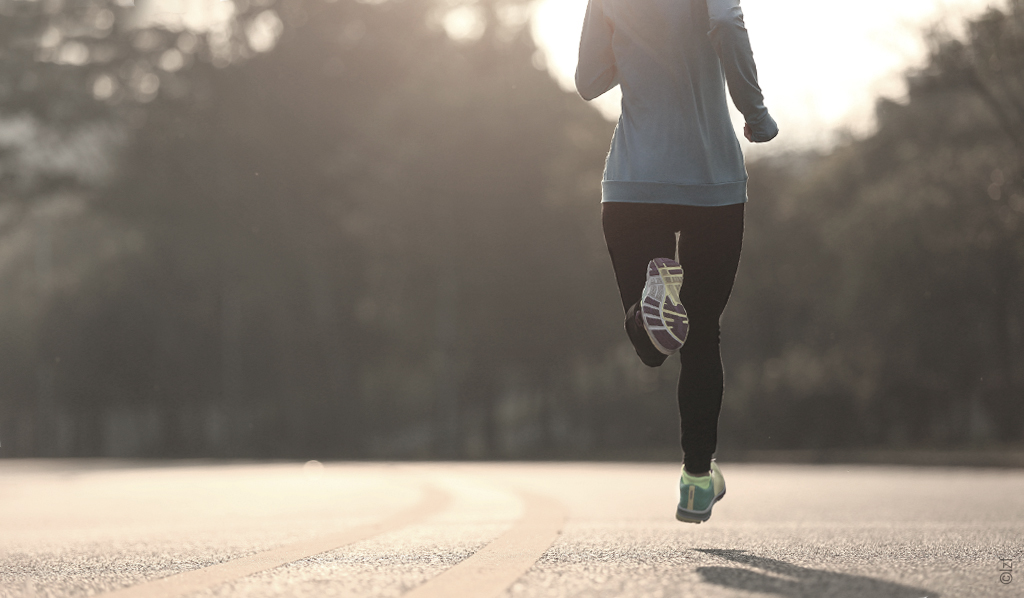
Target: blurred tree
[(56, 143), (885, 297), (989, 67), (370, 229), (360, 224)]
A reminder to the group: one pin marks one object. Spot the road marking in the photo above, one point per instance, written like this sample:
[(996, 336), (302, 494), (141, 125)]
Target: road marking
[(433, 501), (498, 565)]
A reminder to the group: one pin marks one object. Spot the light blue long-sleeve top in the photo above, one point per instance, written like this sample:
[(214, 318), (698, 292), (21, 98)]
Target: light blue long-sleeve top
[(674, 142)]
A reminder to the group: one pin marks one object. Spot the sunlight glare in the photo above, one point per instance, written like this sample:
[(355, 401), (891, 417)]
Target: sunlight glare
[(264, 30), (822, 65), (464, 23)]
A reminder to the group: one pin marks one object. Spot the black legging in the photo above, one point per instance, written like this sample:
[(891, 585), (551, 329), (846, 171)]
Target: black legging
[(710, 239)]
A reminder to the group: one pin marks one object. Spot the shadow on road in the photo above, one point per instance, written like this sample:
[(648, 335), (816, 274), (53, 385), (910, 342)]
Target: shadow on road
[(793, 581)]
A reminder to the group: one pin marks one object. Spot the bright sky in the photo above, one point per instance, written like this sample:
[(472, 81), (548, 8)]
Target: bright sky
[(821, 63)]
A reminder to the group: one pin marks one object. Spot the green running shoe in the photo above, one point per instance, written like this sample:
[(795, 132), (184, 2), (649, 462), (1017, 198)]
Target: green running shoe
[(698, 494)]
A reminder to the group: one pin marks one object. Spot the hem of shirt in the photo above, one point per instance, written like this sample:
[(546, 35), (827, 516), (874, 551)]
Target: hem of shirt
[(718, 194)]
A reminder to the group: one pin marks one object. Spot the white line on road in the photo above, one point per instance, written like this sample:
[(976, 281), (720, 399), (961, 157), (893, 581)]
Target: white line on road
[(498, 565), (433, 501)]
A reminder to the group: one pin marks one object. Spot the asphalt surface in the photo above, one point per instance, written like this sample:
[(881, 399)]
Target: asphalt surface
[(513, 530)]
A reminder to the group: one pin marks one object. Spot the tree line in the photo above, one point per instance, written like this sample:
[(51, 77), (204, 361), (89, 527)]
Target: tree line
[(334, 230)]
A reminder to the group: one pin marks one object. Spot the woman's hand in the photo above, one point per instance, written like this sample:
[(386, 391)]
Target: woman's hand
[(748, 132)]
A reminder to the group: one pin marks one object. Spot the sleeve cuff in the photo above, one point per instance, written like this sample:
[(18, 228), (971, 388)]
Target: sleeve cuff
[(764, 130)]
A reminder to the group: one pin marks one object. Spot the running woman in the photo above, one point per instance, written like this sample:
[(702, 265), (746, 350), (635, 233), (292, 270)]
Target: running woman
[(675, 184)]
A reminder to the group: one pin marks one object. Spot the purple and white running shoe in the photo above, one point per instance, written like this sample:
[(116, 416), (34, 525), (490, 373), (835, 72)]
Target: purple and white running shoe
[(664, 317)]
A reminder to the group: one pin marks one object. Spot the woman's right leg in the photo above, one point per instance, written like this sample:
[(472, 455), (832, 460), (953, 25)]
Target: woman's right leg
[(635, 234), (710, 242)]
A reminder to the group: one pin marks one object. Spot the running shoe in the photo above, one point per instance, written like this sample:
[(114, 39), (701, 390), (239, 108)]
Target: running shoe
[(698, 494), (645, 350), (663, 315)]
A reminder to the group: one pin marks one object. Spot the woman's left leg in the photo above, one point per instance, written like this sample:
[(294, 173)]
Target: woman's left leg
[(710, 241), (637, 233)]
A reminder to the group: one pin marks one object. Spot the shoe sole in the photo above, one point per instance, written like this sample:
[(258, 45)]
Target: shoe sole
[(687, 516), (664, 317)]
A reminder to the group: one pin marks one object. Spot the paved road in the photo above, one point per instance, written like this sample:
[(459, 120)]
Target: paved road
[(512, 530)]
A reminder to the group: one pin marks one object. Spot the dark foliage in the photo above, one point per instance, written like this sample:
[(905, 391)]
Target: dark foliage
[(327, 230)]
